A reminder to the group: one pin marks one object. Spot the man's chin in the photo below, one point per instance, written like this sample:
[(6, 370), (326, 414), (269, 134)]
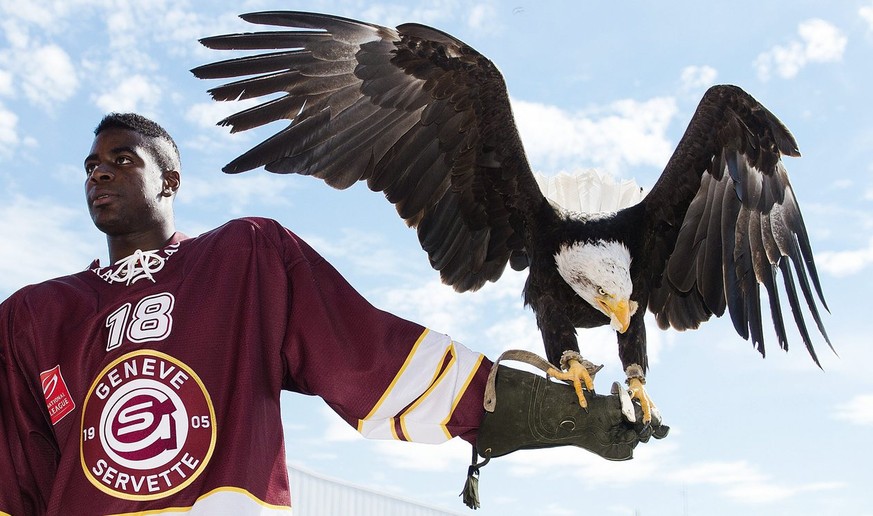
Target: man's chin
[(106, 225)]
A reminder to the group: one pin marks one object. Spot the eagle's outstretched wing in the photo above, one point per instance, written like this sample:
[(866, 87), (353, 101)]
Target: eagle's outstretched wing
[(416, 113), (742, 226)]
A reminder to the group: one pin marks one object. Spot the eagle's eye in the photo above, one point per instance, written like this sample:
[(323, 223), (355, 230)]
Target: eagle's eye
[(601, 291)]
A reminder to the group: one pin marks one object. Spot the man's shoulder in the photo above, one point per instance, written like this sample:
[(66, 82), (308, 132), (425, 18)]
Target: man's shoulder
[(49, 289), (246, 224), (242, 233)]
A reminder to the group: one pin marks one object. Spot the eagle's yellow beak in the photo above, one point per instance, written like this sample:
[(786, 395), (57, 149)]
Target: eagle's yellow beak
[(619, 313)]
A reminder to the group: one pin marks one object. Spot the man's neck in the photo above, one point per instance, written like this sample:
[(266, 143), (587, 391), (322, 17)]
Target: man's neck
[(122, 246)]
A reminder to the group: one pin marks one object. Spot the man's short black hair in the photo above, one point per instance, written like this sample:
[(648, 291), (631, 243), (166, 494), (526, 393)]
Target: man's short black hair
[(146, 127)]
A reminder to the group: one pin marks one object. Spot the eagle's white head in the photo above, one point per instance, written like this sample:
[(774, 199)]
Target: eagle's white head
[(600, 273)]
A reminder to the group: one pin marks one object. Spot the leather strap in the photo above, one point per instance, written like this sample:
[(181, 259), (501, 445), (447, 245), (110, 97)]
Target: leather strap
[(518, 355)]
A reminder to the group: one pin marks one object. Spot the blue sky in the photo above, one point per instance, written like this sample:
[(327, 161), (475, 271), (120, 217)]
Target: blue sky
[(608, 85)]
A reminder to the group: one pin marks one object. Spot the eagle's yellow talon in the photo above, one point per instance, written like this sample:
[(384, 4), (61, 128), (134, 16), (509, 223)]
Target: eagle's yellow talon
[(638, 392), (577, 374)]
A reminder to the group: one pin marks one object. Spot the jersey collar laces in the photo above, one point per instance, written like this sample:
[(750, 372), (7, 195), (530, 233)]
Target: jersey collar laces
[(141, 264)]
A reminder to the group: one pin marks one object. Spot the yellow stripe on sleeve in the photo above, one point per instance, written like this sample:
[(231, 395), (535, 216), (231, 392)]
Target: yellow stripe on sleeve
[(393, 383)]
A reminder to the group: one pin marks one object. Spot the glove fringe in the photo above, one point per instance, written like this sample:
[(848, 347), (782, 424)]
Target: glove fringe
[(470, 493)]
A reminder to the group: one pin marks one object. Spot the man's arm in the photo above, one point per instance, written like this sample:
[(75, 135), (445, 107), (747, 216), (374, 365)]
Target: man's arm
[(27, 456), (387, 377)]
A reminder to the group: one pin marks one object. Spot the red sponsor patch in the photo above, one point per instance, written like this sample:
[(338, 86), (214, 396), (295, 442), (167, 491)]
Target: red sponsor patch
[(57, 395)]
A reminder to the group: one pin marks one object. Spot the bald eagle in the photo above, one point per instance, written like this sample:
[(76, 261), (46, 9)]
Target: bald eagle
[(424, 118)]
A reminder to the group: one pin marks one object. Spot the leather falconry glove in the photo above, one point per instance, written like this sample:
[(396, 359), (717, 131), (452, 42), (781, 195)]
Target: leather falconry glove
[(528, 411)]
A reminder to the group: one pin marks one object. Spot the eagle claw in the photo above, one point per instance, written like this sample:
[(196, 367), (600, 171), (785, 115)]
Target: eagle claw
[(638, 392), (580, 373)]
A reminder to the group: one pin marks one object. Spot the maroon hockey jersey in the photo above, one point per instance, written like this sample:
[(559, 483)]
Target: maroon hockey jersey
[(154, 383)]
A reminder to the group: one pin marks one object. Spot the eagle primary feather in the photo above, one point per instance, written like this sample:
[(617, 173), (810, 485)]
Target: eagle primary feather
[(426, 119)]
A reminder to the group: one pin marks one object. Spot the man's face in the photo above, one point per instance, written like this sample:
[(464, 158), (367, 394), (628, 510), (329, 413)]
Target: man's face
[(125, 187)]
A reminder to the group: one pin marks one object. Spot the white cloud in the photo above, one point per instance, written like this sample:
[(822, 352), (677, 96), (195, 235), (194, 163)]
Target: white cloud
[(436, 305), (744, 482), (391, 15), (719, 473), (846, 263), (425, 457), (693, 77), (752, 493), (858, 410), (787, 60), (48, 76), (45, 72), (211, 137), (371, 253), (25, 11), (820, 42), (45, 241), (624, 133), (516, 333), (739, 480), (649, 459), (866, 14), (206, 115), (123, 64), (482, 17), (130, 24), (46, 15), (336, 429), (8, 131), (5, 83), (823, 41), (237, 193), (136, 93), (122, 25), (15, 33)]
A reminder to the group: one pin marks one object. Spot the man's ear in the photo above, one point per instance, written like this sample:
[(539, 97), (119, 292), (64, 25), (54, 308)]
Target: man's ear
[(172, 182)]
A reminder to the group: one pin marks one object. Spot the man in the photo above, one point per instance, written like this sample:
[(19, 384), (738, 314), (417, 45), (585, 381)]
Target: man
[(154, 383)]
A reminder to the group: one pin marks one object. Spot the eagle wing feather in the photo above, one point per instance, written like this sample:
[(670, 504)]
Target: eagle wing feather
[(742, 225), (414, 112)]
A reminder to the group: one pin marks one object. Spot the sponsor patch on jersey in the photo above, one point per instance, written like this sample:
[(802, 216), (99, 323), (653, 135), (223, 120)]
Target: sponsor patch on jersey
[(57, 395), (148, 427)]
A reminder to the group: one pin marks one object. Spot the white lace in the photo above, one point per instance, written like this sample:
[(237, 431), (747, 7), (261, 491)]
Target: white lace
[(141, 264)]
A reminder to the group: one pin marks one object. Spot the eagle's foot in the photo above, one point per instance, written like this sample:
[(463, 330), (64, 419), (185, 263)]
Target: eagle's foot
[(579, 372), (635, 382)]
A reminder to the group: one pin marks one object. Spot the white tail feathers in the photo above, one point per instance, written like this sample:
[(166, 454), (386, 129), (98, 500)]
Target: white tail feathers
[(589, 191)]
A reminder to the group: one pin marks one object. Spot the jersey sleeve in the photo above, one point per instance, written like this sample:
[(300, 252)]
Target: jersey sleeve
[(388, 377), (28, 457)]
